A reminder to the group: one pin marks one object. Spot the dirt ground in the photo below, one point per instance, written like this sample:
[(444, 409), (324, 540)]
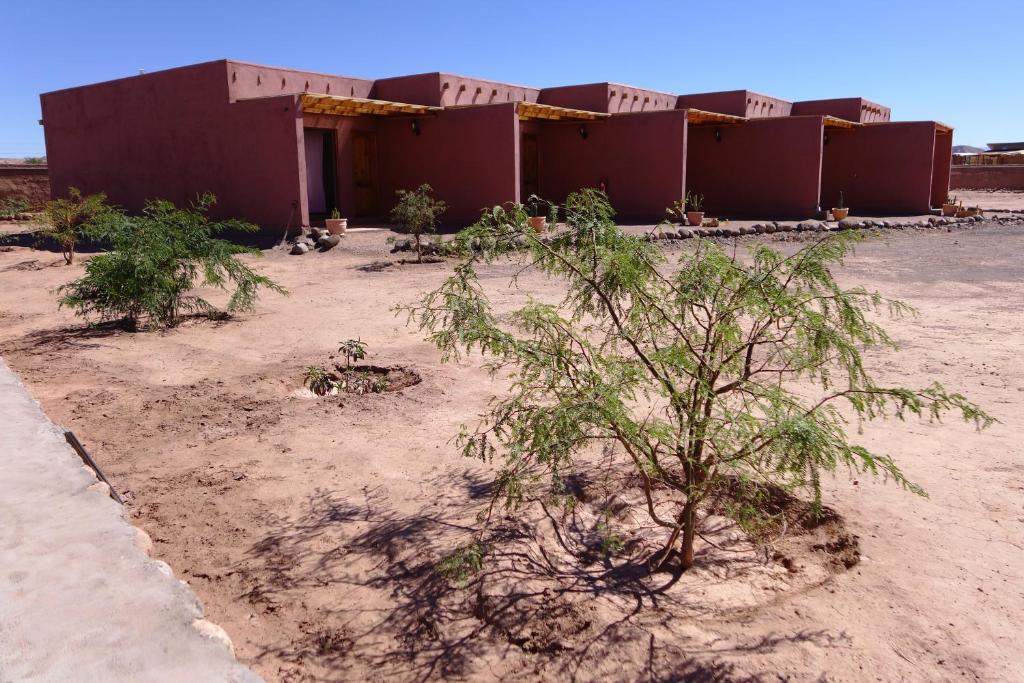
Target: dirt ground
[(310, 528)]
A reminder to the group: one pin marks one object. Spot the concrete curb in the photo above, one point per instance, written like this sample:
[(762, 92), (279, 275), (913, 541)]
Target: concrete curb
[(80, 598)]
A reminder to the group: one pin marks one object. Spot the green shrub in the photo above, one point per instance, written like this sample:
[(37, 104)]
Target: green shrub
[(157, 259), (68, 221), (12, 207), (417, 211)]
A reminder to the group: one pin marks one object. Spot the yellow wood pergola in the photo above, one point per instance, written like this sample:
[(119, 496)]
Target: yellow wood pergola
[(314, 103), (531, 110), (835, 122), (700, 117)]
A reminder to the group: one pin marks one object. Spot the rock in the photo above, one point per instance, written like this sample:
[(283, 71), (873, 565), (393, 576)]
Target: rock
[(786, 227), (215, 633), (317, 233), (298, 249), (758, 228), (849, 224), (808, 225), (771, 228), (326, 242), (684, 233)]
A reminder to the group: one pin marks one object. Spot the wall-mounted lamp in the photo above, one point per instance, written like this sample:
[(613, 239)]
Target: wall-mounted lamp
[(583, 131), (825, 139), (415, 127), (718, 134)]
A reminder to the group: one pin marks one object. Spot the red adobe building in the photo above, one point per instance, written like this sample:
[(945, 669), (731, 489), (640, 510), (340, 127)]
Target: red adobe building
[(281, 147)]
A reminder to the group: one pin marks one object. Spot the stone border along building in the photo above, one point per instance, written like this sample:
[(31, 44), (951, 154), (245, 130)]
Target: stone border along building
[(281, 147)]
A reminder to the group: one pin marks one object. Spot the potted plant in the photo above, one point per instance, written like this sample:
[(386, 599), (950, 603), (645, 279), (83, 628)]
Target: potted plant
[(949, 207), (840, 211), (537, 220), (694, 202), (336, 225)]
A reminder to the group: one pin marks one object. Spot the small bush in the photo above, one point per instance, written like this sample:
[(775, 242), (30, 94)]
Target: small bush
[(418, 212), (158, 258), (12, 207), (68, 221), (464, 563)]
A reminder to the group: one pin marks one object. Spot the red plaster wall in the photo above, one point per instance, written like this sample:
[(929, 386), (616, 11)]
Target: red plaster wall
[(848, 108), (450, 90), (942, 160), (612, 98), (736, 103), (762, 168), (987, 178), (470, 156), (882, 169), (173, 134), (29, 182), (252, 80), (641, 156)]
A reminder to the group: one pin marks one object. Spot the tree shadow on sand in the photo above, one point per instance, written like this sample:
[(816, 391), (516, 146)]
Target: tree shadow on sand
[(535, 610)]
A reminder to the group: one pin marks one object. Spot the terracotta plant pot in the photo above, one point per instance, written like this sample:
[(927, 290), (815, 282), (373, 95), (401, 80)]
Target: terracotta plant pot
[(337, 226), (949, 209), (840, 214), (538, 223), (695, 217)]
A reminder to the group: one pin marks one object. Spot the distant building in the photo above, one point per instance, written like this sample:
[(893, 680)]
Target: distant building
[(285, 147)]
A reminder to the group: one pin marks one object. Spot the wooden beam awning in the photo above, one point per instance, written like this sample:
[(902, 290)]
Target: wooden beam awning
[(699, 116), (836, 122), (547, 112), (943, 129), (356, 106)]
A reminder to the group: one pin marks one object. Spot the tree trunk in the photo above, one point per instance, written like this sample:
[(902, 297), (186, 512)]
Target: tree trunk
[(689, 531)]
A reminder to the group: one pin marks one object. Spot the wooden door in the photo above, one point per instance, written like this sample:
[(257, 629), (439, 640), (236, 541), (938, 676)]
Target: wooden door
[(530, 180), (364, 173)]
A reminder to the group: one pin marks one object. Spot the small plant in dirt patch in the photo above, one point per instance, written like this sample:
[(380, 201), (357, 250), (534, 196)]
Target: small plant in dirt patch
[(159, 258), (719, 367), (69, 220), (464, 563), (35, 161), (353, 350), (319, 381), (418, 212), (12, 207)]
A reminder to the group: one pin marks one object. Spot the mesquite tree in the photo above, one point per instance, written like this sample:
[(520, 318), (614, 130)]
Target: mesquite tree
[(418, 212), (715, 367)]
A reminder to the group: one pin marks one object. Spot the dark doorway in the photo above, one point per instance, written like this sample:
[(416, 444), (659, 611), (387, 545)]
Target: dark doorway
[(530, 180), (320, 172), (364, 173)]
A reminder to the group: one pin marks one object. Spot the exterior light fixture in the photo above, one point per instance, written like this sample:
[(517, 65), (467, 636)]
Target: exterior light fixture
[(583, 131), (825, 139), (415, 127), (718, 134)]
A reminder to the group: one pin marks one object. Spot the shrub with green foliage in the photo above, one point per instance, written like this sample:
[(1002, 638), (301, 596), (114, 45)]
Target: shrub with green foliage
[(712, 370), (12, 207), (158, 258), (418, 212), (69, 220)]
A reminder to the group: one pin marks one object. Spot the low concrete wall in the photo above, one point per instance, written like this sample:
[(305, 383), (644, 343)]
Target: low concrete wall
[(987, 178), (23, 181)]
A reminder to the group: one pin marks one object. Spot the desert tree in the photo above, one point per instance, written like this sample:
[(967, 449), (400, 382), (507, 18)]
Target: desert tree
[(68, 220), (717, 368), (159, 257), (418, 212)]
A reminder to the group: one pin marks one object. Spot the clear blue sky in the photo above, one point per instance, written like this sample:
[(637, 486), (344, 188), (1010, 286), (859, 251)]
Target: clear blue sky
[(958, 62)]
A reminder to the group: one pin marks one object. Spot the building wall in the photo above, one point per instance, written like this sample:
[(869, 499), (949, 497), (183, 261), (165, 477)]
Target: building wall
[(736, 103), (29, 182), (173, 134), (767, 167), (639, 157), (882, 169), (343, 127), (987, 178), (942, 160), (449, 90), (854, 109), (612, 98), (252, 80), (470, 156)]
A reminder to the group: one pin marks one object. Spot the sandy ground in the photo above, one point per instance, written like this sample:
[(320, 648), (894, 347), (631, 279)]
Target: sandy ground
[(991, 200), (310, 528)]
